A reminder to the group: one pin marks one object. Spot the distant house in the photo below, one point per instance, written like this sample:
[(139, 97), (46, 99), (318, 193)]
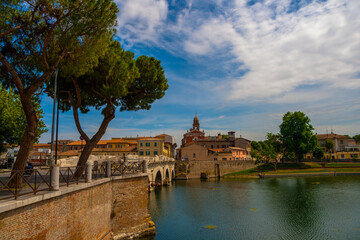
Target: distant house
[(344, 147)]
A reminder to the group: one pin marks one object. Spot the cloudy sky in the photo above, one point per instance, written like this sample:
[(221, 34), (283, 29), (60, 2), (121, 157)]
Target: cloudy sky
[(240, 64)]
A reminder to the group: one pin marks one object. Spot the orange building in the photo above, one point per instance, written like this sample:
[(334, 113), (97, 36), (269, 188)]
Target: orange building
[(193, 134)]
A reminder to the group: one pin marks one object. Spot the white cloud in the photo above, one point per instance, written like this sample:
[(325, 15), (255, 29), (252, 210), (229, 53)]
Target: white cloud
[(319, 44), (141, 20)]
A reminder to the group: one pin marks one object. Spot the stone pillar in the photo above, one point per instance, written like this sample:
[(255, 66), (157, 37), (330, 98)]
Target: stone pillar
[(55, 178), (145, 166), (88, 172), (108, 169)]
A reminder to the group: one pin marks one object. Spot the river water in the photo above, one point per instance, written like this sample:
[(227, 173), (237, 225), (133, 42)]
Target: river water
[(273, 208)]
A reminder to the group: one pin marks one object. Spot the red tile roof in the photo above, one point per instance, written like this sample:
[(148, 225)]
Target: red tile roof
[(79, 143), (331, 136)]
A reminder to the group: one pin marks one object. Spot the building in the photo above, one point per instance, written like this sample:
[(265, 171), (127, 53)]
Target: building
[(220, 147), (193, 134), (117, 143), (144, 146), (169, 144), (79, 145), (344, 146), (151, 147)]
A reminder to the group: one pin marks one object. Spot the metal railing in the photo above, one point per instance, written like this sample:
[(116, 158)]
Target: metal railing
[(71, 175), (98, 170), (126, 167), (18, 183)]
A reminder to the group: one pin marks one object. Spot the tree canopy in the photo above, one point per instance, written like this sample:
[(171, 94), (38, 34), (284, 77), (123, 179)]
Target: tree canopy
[(357, 138), (296, 134), (13, 120), (318, 152), (267, 151), (36, 36), (117, 81)]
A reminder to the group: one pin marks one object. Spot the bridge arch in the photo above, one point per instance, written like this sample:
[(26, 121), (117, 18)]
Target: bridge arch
[(167, 174), (158, 178)]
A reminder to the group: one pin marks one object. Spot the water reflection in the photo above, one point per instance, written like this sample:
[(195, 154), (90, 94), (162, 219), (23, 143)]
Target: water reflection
[(282, 208)]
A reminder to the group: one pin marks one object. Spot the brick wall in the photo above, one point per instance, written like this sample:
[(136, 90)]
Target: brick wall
[(195, 168), (90, 213), (130, 204)]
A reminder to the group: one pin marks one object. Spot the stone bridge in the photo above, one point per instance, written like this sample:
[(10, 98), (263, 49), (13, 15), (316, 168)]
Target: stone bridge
[(160, 169)]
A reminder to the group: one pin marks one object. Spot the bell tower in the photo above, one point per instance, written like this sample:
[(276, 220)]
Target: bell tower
[(196, 124)]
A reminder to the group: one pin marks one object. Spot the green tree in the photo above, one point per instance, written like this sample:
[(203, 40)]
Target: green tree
[(318, 152), (329, 145), (357, 138), (117, 81), (36, 36), (267, 151), (296, 134), (13, 120)]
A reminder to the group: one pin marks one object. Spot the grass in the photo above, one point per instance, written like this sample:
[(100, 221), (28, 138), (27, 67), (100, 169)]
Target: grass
[(342, 164), (296, 168)]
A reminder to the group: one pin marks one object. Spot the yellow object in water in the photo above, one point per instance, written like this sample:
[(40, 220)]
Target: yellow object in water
[(210, 227), (255, 210)]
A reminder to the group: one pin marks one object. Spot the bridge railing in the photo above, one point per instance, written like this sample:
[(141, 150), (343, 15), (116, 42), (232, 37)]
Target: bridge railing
[(17, 183), (71, 175), (127, 167)]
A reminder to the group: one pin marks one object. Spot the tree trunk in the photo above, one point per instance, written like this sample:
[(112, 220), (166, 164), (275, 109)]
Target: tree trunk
[(297, 158), (27, 140), (91, 144), (275, 165)]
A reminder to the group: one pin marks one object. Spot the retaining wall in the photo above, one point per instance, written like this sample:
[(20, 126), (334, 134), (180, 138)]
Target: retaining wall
[(195, 168), (115, 206)]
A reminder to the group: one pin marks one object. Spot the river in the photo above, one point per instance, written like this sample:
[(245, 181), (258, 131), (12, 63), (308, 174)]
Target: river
[(273, 208)]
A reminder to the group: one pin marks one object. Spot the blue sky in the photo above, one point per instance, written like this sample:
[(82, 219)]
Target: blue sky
[(240, 64)]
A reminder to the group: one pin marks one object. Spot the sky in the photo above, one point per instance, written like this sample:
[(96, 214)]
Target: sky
[(240, 65)]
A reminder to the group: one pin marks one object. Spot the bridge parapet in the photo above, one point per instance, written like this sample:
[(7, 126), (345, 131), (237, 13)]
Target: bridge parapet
[(159, 158)]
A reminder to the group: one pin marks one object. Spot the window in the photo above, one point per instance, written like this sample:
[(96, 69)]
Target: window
[(141, 153), (147, 144), (342, 156), (118, 146), (155, 153), (212, 146), (147, 153), (155, 144), (223, 146), (341, 141), (194, 155), (215, 159), (224, 159), (109, 145), (141, 144)]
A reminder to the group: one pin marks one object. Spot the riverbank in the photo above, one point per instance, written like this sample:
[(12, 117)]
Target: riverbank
[(302, 169)]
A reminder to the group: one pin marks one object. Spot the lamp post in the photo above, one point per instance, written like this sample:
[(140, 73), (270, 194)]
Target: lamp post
[(53, 120)]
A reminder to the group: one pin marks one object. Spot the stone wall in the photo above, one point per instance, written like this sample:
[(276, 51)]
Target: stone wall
[(195, 168), (85, 211), (129, 205)]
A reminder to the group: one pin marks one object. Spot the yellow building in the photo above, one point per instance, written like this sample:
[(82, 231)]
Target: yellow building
[(117, 143), (152, 146), (169, 144), (344, 147)]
